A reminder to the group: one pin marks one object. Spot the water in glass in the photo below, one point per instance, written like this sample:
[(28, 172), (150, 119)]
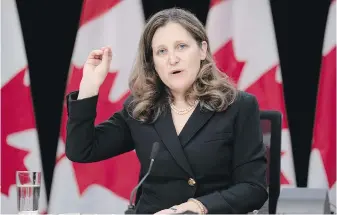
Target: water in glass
[(28, 191)]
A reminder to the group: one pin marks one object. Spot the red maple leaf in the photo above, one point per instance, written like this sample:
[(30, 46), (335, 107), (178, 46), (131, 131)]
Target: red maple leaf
[(227, 62), (325, 119), (92, 9), (17, 115), (271, 99), (215, 2), (111, 173)]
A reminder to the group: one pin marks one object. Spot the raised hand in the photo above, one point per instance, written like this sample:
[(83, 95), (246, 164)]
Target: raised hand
[(95, 71)]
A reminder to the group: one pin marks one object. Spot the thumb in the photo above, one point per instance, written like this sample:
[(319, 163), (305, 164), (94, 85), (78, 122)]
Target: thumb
[(107, 55)]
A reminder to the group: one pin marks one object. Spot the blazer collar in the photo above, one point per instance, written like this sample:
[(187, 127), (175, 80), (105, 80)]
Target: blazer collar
[(174, 143), (196, 121)]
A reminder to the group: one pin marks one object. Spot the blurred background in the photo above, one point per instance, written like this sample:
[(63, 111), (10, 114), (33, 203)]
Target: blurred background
[(283, 53)]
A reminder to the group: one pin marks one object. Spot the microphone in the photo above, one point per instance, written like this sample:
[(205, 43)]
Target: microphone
[(154, 152)]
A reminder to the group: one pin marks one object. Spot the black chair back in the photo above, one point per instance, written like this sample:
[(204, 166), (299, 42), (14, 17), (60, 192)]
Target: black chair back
[(271, 125)]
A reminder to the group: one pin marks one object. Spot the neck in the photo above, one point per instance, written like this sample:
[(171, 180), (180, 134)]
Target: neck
[(180, 100)]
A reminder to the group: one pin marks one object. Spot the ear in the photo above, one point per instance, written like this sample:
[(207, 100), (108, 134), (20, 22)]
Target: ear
[(203, 50)]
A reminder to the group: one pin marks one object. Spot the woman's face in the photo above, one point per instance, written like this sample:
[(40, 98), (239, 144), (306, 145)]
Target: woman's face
[(177, 56)]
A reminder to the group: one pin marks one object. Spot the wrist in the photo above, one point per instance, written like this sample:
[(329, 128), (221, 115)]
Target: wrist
[(201, 207), (87, 90)]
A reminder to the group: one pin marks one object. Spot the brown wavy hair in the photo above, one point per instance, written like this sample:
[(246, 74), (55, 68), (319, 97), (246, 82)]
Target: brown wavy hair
[(150, 97)]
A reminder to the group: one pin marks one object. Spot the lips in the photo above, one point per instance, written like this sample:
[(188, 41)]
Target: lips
[(176, 72)]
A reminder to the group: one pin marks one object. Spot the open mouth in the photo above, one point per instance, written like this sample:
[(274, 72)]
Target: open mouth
[(176, 72)]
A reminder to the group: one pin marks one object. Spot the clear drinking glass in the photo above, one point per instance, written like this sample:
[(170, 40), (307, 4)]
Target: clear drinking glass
[(28, 191)]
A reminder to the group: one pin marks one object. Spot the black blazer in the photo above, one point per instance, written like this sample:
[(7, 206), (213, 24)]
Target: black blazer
[(218, 158)]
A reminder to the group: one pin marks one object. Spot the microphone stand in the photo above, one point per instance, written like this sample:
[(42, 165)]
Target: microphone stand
[(131, 207)]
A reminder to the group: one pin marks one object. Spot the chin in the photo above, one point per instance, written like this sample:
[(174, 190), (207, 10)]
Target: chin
[(176, 87), (179, 85)]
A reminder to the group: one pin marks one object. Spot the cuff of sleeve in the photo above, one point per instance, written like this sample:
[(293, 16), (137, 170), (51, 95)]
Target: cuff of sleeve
[(83, 108), (215, 203)]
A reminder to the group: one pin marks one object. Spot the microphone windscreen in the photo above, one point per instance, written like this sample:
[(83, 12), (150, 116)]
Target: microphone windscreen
[(130, 211), (155, 149)]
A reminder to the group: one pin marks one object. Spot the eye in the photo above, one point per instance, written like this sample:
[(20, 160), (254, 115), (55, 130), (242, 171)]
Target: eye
[(181, 46), (161, 51)]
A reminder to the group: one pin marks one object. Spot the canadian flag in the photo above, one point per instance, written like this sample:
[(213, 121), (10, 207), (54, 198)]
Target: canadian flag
[(243, 43), (20, 148), (101, 187), (322, 165)]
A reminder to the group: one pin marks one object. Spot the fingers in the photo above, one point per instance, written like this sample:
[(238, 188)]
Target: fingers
[(99, 53), (94, 62), (166, 211), (107, 56), (107, 48), (95, 54), (172, 210)]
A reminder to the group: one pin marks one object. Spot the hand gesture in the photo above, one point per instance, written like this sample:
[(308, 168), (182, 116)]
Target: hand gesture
[(95, 71)]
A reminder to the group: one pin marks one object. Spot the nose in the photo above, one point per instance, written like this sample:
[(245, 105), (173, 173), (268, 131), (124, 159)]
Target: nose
[(173, 59)]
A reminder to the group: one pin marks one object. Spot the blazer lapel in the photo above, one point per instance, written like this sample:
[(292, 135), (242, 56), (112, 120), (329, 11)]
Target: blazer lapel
[(196, 121), (166, 130)]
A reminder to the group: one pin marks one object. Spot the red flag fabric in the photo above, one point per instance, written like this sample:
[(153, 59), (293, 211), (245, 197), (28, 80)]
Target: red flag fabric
[(101, 187), (19, 141), (243, 43), (322, 165)]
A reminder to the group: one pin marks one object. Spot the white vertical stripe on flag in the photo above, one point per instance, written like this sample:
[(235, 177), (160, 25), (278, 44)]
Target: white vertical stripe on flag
[(253, 60), (20, 148), (118, 26), (322, 165)]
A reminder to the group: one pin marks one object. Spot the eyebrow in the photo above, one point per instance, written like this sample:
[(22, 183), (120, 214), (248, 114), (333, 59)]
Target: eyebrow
[(176, 42)]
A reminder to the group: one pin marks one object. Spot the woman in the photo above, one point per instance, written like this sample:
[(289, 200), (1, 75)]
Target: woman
[(211, 158)]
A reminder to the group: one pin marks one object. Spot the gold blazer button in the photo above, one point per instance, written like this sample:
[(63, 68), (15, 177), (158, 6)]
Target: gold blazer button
[(191, 182)]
